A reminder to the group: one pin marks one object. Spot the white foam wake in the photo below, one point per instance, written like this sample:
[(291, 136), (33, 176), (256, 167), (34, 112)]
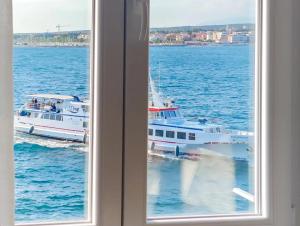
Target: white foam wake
[(48, 142)]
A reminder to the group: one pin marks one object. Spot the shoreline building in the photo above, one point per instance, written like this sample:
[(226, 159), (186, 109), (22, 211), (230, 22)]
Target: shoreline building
[(238, 38), (200, 36), (216, 36)]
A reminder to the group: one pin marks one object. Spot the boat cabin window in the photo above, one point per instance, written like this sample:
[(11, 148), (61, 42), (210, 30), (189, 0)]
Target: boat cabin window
[(181, 135), (85, 124), (59, 118), (159, 133), (154, 115), (170, 134), (85, 108), (45, 116), (52, 117), (167, 114), (192, 136), (172, 113), (150, 132)]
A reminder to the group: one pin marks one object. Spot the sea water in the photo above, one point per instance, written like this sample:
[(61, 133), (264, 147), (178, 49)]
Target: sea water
[(213, 82)]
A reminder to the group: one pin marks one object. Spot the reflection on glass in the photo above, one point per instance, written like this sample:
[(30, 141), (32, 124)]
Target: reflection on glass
[(51, 81), (201, 108)]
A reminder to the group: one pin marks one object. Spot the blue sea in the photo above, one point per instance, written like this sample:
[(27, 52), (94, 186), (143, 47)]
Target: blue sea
[(213, 82)]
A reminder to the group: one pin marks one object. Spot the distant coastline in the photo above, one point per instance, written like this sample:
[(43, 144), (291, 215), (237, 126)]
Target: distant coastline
[(76, 45), (52, 45), (53, 39), (193, 44), (169, 36)]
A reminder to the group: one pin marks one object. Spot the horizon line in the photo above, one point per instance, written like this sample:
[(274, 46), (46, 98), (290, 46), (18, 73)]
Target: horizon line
[(167, 27)]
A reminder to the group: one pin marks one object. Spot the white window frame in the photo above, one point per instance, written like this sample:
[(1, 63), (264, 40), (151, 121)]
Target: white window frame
[(6, 117), (106, 88), (112, 204), (274, 106)]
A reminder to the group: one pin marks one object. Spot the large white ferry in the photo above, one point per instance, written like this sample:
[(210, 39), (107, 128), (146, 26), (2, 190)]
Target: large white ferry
[(169, 131), (54, 116)]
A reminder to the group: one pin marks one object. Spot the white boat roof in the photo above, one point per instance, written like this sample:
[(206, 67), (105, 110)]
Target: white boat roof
[(52, 96), (81, 103)]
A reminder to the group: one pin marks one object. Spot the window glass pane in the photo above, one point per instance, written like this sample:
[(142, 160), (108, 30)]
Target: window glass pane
[(181, 135), (85, 124), (192, 136), (150, 132), (51, 78), (52, 117), (167, 114), (170, 134), (202, 66), (159, 133)]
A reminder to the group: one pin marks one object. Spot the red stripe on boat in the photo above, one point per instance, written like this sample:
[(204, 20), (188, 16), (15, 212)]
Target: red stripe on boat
[(153, 109)]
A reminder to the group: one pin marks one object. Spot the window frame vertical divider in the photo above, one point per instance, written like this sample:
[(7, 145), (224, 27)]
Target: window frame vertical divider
[(106, 96), (108, 112), (7, 203)]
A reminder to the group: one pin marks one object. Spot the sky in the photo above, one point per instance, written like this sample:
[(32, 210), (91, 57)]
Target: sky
[(169, 13), (45, 15)]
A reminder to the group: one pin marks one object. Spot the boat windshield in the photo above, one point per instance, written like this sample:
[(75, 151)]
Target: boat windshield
[(164, 114)]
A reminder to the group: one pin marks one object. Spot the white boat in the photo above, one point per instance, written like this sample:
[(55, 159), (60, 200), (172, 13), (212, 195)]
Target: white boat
[(169, 131), (67, 117), (54, 116)]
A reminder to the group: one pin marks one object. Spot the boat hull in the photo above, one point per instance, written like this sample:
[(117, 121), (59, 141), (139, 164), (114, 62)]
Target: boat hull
[(218, 143), (197, 151), (54, 131)]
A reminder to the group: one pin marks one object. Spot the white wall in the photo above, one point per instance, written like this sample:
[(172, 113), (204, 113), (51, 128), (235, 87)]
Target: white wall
[(286, 71), (296, 109), (280, 50)]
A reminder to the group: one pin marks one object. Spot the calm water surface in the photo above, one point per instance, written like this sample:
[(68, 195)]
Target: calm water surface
[(214, 82)]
